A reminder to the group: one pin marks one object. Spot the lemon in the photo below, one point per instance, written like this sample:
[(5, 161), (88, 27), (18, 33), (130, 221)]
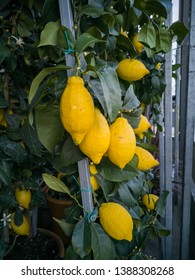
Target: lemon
[(23, 197), (76, 109), (93, 180), (146, 159), (97, 140), (122, 142), (131, 70), (23, 229), (149, 200), (142, 127), (158, 66), (138, 46), (116, 221)]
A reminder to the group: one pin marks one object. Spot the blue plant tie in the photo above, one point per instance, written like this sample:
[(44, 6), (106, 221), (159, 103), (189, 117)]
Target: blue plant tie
[(92, 216), (69, 50)]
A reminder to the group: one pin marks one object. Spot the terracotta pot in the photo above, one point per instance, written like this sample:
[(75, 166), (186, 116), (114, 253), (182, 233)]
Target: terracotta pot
[(57, 209)]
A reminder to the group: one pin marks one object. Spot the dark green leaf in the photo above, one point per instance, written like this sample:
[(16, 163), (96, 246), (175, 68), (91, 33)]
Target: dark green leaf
[(91, 11), (102, 245), (50, 12), (81, 238), (125, 195), (4, 52), (180, 30), (161, 203), (25, 25), (113, 173), (5, 173), (125, 44), (161, 230), (111, 90), (49, 126), (84, 41), (130, 101), (159, 7)]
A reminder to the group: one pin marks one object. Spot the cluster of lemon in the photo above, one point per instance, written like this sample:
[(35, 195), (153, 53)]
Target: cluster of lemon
[(96, 138)]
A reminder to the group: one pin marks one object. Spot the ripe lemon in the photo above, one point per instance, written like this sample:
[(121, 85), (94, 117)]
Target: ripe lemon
[(142, 127), (158, 66), (116, 221), (146, 159), (149, 200), (76, 109), (122, 142), (131, 70), (23, 197), (97, 140), (23, 229), (93, 180), (138, 46)]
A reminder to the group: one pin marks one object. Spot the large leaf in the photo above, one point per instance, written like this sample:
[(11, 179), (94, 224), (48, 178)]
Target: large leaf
[(55, 183), (49, 35), (111, 90), (91, 11), (125, 195), (66, 227), (40, 77), (125, 44), (163, 40), (130, 101), (49, 126), (81, 238), (102, 245), (159, 7), (113, 173), (84, 41), (25, 25), (50, 12), (147, 35), (180, 30), (161, 204)]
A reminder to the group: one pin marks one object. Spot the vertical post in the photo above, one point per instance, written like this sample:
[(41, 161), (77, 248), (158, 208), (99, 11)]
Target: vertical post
[(83, 165), (166, 151), (189, 138)]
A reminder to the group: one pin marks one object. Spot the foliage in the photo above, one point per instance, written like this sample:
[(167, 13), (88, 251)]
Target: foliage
[(33, 49)]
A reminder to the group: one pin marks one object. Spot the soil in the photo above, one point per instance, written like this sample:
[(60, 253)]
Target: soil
[(40, 247)]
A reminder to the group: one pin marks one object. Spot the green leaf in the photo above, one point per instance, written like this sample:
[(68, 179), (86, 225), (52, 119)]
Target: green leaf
[(30, 139), (55, 183), (91, 11), (159, 7), (25, 25), (125, 195), (133, 117), (126, 44), (111, 90), (81, 238), (13, 149), (163, 40), (130, 101), (102, 245), (180, 30), (162, 231), (66, 227), (49, 35), (49, 127), (113, 173), (4, 52), (50, 12), (5, 173), (40, 77), (161, 204), (84, 41), (147, 35)]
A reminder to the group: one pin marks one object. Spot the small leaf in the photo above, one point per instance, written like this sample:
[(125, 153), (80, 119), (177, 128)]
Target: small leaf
[(5, 173), (102, 245), (180, 30), (55, 184), (66, 227), (161, 204), (91, 11), (81, 238), (130, 101)]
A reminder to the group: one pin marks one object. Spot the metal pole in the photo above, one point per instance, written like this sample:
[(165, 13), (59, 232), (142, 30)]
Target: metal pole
[(189, 138), (83, 165)]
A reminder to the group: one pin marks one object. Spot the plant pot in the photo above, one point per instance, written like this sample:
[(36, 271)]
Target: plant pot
[(45, 245), (57, 209)]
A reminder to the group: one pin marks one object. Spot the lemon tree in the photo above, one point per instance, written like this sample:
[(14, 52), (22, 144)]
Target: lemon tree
[(117, 46)]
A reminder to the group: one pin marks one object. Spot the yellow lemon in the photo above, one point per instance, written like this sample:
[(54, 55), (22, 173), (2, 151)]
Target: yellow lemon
[(158, 65), (138, 46), (116, 221), (122, 142), (76, 109), (146, 159), (23, 229), (149, 200), (97, 140), (142, 127), (131, 70), (23, 197), (93, 180)]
